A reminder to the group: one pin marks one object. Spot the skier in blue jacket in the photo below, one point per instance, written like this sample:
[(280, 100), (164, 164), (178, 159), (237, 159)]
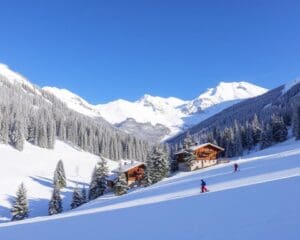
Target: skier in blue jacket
[(203, 186)]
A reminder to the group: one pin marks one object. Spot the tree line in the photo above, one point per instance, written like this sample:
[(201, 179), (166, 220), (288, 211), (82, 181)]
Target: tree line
[(34, 115)]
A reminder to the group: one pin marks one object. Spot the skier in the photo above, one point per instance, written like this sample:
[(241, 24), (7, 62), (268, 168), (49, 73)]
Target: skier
[(203, 186), (236, 167)]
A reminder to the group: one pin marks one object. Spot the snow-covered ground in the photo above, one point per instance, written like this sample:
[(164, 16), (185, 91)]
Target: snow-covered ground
[(259, 202), (35, 167)]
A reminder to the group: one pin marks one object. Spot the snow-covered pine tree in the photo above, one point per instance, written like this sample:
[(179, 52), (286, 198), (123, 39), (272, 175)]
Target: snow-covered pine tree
[(296, 122), (98, 183), (146, 181), (84, 195), (279, 129), (4, 119), (59, 178), (159, 165), (77, 198), (256, 130), (55, 203), (20, 208), (237, 140), (188, 141), (266, 138), (189, 158), (121, 187), (16, 138), (228, 139)]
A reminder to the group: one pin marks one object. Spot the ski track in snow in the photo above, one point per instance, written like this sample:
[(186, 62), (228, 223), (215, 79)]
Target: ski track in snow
[(242, 182)]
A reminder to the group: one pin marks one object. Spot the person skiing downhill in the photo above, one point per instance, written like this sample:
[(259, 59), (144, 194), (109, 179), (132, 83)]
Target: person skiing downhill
[(236, 167), (203, 186)]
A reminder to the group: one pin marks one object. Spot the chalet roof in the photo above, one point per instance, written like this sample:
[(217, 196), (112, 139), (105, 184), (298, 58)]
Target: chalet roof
[(126, 166), (193, 148)]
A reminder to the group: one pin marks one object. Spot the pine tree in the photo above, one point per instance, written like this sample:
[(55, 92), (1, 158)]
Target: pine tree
[(266, 137), (237, 140), (188, 141), (296, 122), (55, 204), (146, 181), (16, 136), (256, 130), (98, 183), (59, 178), (279, 129), (121, 187), (77, 199), (158, 164), (4, 125), (20, 209), (189, 158), (83, 195)]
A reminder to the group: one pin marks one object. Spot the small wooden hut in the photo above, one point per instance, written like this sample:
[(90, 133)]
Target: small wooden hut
[(133, 170)]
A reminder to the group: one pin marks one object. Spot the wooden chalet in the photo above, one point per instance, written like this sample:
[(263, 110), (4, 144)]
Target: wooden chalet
[(206, 155), (134, 172)]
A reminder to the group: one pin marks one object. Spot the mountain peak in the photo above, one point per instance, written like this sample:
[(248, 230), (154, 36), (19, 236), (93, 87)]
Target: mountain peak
[(223, 92), (155, 101)]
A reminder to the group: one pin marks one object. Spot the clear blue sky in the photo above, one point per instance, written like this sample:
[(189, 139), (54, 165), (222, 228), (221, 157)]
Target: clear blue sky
[(104, 50)]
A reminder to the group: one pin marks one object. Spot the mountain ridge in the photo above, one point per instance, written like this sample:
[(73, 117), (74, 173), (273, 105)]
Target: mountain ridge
[(174, 113)]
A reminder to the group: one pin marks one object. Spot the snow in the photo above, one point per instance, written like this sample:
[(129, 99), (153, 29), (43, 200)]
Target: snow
[(289, 85), (73, 101), (222, 93), (15, 78), (259, 202), (127, 165), (174, 113), (195, 147), (35, 167)]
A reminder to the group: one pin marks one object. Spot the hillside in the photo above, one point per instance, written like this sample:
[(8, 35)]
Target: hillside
[(259, 202), (35, 167), (258, 122), (31, 114)]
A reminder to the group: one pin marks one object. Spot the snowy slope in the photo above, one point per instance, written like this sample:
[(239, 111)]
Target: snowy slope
[(6, 74), (73, 101), (173, 113), (259, 202), (35, 166)]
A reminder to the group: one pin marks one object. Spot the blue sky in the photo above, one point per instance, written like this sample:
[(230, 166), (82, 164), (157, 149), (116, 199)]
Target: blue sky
[(105, 50)]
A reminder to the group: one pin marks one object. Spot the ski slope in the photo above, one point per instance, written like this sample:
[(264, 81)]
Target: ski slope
[(259, 202), (35, 167)]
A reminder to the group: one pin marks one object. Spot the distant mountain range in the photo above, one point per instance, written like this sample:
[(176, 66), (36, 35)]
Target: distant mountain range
[(151, 117), (157, 118)]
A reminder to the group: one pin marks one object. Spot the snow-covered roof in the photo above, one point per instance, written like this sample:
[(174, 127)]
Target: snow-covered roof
[(193, 148), (112, 177), (127, 165)]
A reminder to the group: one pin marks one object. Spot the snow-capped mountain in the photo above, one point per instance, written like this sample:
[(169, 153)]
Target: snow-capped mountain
[(12, 77), (31, 114), (224, 92), (73, 101), (173, 113), (168, 116)]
